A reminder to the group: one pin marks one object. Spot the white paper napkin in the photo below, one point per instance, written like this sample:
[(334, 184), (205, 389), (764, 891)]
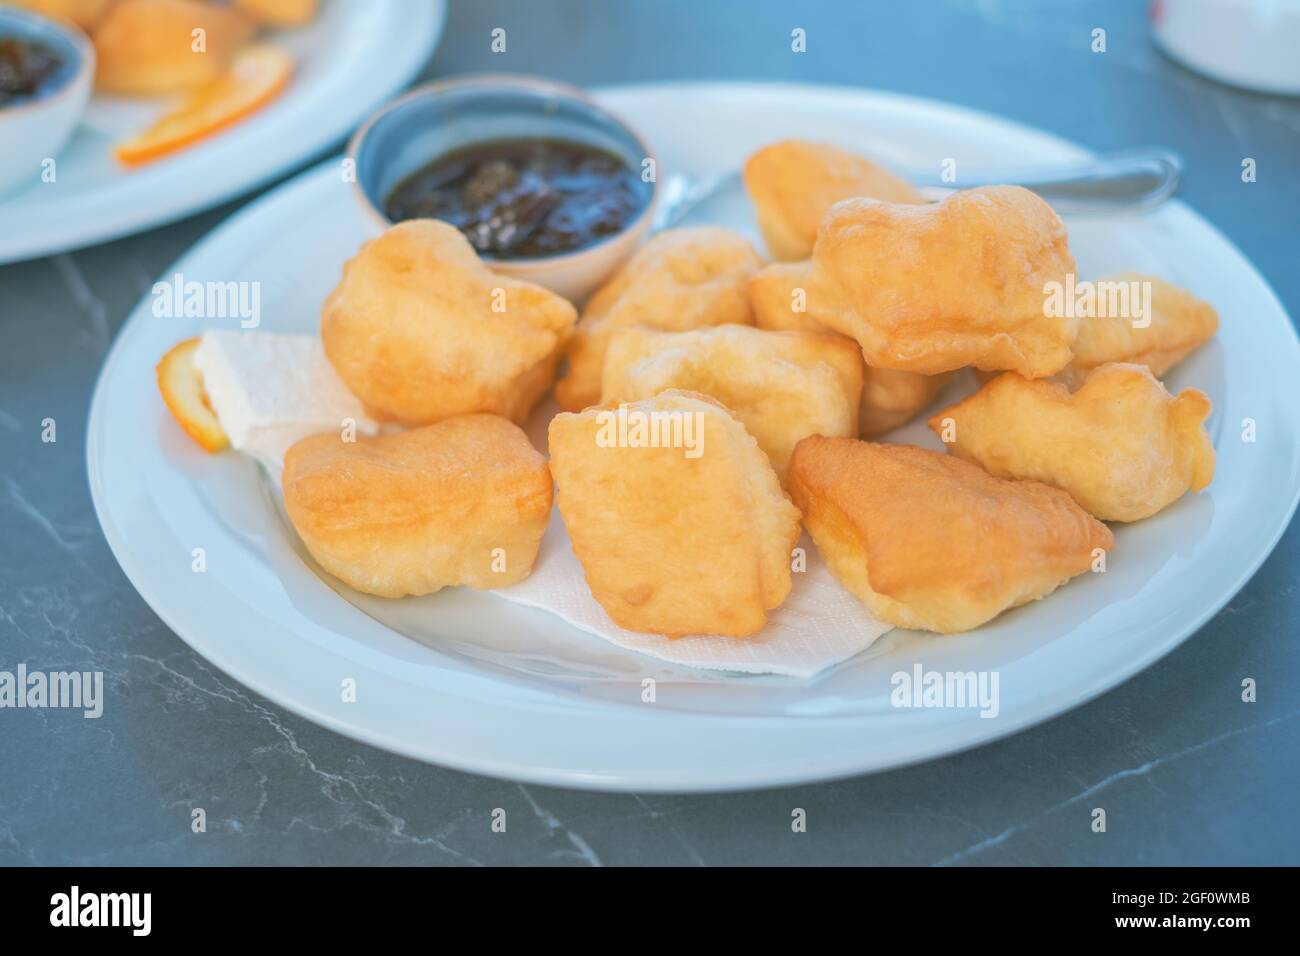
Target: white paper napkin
[(820, 624)]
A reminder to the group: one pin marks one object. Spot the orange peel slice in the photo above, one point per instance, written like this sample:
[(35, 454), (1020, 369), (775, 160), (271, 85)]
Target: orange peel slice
[(182, 391), (255, 76)]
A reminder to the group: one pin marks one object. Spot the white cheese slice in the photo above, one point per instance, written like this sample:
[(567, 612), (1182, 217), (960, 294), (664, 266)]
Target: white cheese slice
[(271, 389)]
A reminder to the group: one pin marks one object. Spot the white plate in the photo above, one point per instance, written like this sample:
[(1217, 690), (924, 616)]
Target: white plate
[(491, 687), (353, 57)]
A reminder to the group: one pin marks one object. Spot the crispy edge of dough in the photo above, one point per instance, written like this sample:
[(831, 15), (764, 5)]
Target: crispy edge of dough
[(793, 182), (395, 385), (1185, 322), (391, 496), (756, 483), (962, 233), (635, 353), (890, 398), (822, 465), (636, 294), (1185, 414)]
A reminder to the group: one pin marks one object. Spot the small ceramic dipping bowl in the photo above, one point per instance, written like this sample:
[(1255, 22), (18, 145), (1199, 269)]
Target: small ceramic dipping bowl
[(34, 129), (431, 121)]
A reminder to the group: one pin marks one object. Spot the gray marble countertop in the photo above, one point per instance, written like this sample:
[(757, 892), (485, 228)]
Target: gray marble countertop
[(1186, 771)]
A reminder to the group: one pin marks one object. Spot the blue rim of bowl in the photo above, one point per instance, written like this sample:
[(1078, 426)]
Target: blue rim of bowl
[(489, 81), (71, 36)]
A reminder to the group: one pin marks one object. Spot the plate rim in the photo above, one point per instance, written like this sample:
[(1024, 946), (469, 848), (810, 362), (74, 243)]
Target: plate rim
[(843, 764)]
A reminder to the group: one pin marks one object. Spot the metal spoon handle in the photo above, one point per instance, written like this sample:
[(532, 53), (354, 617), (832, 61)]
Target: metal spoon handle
[(1131, 180), (1135, 179)]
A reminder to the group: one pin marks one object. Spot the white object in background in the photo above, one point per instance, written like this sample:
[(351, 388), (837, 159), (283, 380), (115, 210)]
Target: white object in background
[(32, 132), (270, 390), (1251, 43)]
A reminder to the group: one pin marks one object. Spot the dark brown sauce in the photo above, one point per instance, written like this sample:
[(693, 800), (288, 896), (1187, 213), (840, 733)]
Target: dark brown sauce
[(524, 198), (25, 68)]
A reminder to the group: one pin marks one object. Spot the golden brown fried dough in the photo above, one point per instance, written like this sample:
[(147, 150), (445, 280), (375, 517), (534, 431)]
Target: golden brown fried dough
[(420, 329), (461, 502), (691, 537), (782, 386), (150, 47), (1121, 445), (929, 541), (681, 279), (1179, 323), (889, 397), (280, 13), (778, 294), (80, 13), (794, 183), (936, 287)]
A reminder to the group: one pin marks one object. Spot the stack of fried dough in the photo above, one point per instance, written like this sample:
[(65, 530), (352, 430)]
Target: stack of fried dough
[(713, 405), (158, 47), (201, 52)]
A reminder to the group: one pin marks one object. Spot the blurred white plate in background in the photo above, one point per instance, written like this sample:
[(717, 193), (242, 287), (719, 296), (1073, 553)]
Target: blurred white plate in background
[(352, 58)]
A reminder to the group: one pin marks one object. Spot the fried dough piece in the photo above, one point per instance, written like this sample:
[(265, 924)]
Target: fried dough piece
[(936, 287), (681, 279), (1122, 446), (693, 539), (929, 541), (779, 296), (420, 329), (782, 386), (280, 13), (460, 502), (80, 13), (1180, 323), (795, 182), (148, 47), (889, 397)]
